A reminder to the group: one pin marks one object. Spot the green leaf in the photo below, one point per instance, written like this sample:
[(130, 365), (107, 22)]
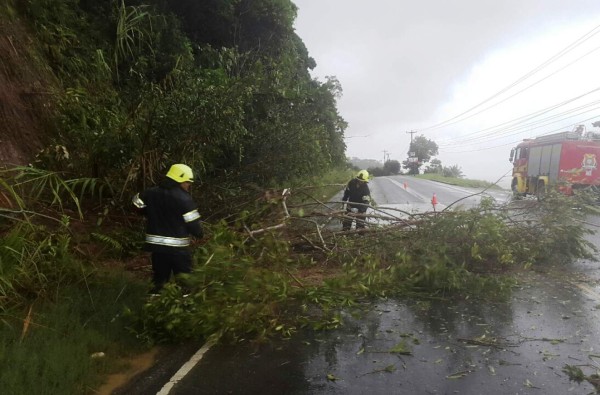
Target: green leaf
[(458, 375), (401, 348), (331, 377)]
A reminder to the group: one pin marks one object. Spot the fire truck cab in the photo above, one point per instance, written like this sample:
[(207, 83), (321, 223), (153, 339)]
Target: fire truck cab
[(567, 160)]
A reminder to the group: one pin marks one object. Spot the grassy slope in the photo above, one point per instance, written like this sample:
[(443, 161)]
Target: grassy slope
[(54, 341), (463, 182)]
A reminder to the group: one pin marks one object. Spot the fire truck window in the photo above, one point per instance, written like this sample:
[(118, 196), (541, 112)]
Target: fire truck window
[(518, 154), (524, 152)]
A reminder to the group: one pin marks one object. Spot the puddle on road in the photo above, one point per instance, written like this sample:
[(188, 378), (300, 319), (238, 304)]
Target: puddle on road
[(518, 346)]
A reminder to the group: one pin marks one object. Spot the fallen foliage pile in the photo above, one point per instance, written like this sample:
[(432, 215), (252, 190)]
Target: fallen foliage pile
[(259, 279)]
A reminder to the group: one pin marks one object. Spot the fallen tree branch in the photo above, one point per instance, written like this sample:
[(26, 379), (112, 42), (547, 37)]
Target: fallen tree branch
[(317, 227), (263, 230)]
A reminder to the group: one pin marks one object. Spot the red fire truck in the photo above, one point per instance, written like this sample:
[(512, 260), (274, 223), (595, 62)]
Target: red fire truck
[(567, 160)]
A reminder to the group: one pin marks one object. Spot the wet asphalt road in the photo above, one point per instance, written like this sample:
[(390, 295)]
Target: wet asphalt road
[(516, 347), (414, 194), (519, 346)]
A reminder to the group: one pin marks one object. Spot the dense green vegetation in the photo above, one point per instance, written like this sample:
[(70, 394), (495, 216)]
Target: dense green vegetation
[(58, 305), (224, 86), (421, 150), (67, 304), (221, 85), (463, 182)]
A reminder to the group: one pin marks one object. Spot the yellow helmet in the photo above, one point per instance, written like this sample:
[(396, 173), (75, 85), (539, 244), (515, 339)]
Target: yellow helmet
[(181, 173), (363, 175)]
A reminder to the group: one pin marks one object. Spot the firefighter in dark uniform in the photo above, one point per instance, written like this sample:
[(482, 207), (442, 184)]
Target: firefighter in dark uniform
[(172, 216), (357, 191)]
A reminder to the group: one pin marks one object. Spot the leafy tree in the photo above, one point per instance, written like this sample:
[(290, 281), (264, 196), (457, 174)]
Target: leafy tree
[(364, 163), (205, 22), (435, 166), (293, 134), (452, 171), (376, 171), (391, 167), (260, 27), (424, 149), (223, 85)]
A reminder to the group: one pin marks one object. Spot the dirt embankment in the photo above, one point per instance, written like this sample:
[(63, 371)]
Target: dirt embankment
[(25, 98)]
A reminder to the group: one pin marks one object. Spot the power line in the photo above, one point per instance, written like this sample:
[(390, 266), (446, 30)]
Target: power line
[(523, 90), (561, 53), (518, 141), (532, 115), (521, 131), (497, 134)]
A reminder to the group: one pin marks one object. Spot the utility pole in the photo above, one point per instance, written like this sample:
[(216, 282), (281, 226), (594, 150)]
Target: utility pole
[(384, 154), (411, 158), (411, 134)]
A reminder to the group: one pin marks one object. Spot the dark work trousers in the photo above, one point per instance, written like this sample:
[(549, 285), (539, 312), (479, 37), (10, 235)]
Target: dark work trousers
[(163, 264), (360, 220)]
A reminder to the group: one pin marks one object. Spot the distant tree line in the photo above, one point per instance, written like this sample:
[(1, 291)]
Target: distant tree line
[(390, 167), (421, 151), (363, 164), (435, 167)]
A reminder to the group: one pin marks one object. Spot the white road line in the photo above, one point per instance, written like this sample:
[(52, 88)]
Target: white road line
[(587, 290), (411, 192), (185, 369), (501, 194), (417, 195)]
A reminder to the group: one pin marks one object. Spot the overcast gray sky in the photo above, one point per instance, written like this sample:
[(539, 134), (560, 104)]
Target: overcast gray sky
[(410, 65)]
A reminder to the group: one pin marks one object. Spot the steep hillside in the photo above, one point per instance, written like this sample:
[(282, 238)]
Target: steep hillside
[(117, 91), (24, 96)]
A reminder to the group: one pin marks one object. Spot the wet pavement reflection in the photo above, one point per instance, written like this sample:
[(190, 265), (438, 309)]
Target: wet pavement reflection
[(518, 346)]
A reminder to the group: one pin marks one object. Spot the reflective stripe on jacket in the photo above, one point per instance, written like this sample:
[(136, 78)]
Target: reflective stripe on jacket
[(168, 241), (172, 217), (191, 216)]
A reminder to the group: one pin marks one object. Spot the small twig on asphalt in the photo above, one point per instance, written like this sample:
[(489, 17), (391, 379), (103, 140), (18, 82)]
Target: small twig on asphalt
[(389, 369), (487, 343)]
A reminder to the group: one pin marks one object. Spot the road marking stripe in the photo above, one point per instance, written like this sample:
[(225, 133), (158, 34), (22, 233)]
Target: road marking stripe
[(589, 291), (417, 195), (411, 192), (185, 369)]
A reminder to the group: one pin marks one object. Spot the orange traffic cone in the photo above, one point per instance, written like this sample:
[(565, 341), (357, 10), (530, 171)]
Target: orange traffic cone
[(434, 201)]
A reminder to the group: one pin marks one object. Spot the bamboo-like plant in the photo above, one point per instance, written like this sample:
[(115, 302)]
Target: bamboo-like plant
[(35, 256), (30, 185), (131, 31)]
